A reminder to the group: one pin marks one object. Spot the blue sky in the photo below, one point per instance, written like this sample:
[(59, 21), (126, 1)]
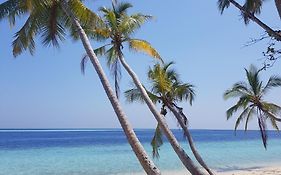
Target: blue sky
[(47, 90)]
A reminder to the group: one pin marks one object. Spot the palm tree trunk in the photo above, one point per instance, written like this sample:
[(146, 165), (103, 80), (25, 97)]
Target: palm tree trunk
[(278, 7), (185, 159), (189, 138), (138, 149), (270, 31)]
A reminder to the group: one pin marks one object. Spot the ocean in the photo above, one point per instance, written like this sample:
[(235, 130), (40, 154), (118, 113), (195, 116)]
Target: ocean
[(106, 151)]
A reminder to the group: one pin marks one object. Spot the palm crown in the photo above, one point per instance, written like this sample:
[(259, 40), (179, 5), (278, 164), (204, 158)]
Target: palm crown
[(45, 18), (251, 101), (252, 6), (118, 28), (166, 88)]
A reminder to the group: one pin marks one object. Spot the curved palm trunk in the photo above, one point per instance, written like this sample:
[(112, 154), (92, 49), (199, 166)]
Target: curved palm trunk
[(278, 7), (185, 159), (189, 138), (138, 149), (269, 30)]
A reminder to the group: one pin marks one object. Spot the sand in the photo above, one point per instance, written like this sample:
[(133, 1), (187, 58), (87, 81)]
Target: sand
[(270, 170)]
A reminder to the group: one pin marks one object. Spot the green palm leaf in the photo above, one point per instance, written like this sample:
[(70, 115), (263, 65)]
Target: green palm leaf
[(241, 104), (223, 4), (130, 24), (24, 38), (122, 7), (85, 15), (242, 116), (274, 81), (250, 115), (237, 90), (156, 142), (133, 95), (253, 79)]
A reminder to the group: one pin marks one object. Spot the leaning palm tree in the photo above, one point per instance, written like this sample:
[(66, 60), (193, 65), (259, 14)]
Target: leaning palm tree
[(248, 10), (119, 27), (251, 101), (254, 7), (167, 90), (50, 19)]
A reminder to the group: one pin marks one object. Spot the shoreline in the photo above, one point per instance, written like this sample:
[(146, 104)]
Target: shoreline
[(258, 170), (265, 170)]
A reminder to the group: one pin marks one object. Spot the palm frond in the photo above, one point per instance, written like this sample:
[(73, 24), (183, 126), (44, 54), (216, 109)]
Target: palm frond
[(271, 107), (238, 89), (104, 10), (111, 55), (223, 4), (242, 116), (272, 121), (241, 104), (274, 81), (99, 34), (111, 20), (168, 65), (156, 142), (272, 116), (184, 92), (86, 16), (160, 83), (252, 6), (133, 95), (170, 73), (249, 116), (12, 9), (53, 29), (144, 46), (253, 79), (24, 38), (83, 63), (122, 7), (101, 50), (128, 25)]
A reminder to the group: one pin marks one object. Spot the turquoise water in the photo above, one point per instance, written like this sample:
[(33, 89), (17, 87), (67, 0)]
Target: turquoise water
[(103, 152)]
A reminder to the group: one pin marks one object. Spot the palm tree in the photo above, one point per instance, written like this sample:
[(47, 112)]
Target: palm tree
[(119, 27), (251, 101), (50, 18), (248, 10), (168, 90), (255, 6)]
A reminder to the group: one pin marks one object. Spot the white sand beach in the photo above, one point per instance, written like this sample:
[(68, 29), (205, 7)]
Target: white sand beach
[(272, 170)]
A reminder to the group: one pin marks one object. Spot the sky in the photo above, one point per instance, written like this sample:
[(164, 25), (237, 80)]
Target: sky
[(47, 90)]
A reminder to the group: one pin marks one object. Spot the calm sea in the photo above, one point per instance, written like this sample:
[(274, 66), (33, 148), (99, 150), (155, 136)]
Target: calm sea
[(106, 151)]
